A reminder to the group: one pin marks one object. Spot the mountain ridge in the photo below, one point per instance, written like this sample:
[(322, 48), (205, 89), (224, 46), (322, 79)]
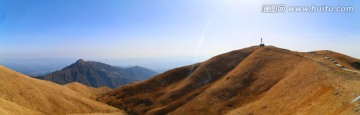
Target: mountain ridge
[(248, 81), (97, 74)]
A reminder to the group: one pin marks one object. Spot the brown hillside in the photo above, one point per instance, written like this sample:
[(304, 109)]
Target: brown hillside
[(347, 61), (20, 94), (255, 80), (87, 91)]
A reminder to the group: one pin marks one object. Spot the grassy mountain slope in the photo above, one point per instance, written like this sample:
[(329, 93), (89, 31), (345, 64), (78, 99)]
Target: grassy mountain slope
[(254, 80), (22, 94)]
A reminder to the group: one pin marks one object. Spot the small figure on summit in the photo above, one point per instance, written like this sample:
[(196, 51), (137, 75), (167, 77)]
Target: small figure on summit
[(262, 44)]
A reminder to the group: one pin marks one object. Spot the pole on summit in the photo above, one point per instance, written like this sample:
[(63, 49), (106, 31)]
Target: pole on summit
[(261, 43)]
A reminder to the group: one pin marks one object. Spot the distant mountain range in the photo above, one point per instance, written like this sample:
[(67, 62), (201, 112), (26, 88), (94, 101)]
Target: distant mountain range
[(97, 74), (43, 66)]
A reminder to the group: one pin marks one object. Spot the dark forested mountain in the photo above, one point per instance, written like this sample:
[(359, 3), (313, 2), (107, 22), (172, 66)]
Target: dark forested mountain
[(98, 74)]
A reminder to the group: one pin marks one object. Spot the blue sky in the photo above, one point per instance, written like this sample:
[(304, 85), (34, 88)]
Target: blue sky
[(130, 29)]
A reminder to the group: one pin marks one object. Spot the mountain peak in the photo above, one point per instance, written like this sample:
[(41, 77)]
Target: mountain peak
[(80, 61), (97, 74)]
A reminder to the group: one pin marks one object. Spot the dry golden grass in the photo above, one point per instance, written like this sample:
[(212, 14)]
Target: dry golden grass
[(115, 113), (87, 91), (255, 80), (21, 94), (314, 86), (11, 108)]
